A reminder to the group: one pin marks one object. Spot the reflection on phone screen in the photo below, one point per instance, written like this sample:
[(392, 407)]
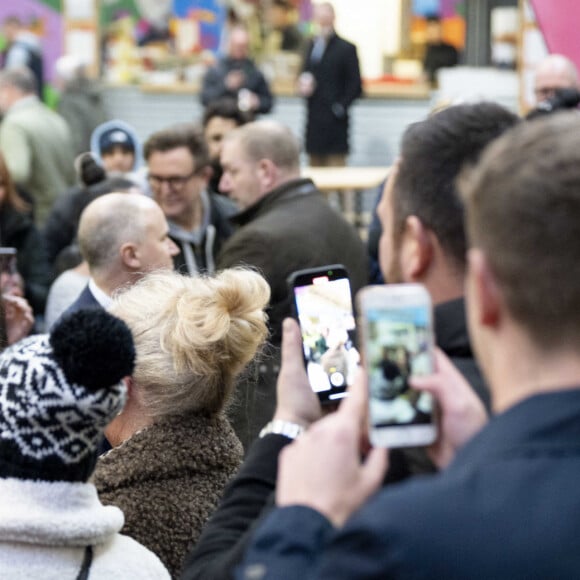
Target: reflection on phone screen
[(398, 346), (328, 327)]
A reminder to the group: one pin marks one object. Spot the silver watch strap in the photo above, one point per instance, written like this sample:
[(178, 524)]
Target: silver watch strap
[(280, 427)]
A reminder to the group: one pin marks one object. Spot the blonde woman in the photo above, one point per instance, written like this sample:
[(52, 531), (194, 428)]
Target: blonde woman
[(173, 449)]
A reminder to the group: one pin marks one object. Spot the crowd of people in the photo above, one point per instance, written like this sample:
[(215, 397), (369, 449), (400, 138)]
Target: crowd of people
[(156, 419)]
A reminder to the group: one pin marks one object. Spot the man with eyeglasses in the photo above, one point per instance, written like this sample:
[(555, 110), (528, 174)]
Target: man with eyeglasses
[(179, 171)]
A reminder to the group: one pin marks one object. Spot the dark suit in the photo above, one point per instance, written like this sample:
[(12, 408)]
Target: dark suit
[(507, 508), (338, 84), (85, 300)]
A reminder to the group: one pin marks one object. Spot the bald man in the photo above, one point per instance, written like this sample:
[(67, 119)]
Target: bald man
[(554, 72), (122, 237)]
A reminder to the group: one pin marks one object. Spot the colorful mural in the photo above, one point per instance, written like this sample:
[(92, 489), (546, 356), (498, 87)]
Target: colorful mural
[(45, 20)]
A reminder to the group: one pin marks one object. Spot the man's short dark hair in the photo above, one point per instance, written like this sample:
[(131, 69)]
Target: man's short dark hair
[(226, 108), (523, 211), (183, 135), (433, 153)]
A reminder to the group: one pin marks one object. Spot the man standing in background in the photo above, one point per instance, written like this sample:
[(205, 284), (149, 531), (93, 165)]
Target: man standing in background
[(35, 141), (237, 76), (330, 82), (23, 49)]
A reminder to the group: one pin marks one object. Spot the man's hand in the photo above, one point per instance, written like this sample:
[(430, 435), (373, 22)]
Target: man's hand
[(462, 414), (322, 469), (234, 80), (18, 316), (297, 402)]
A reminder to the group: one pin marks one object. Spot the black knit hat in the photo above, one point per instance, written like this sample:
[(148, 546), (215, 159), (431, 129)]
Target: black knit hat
[(57, 394), (116, 137)]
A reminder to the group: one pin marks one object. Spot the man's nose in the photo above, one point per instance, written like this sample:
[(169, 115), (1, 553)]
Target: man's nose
[(224, 184)]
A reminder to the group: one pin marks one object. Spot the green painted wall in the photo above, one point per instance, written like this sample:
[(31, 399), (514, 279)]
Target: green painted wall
[(54, 4), (109, 9)]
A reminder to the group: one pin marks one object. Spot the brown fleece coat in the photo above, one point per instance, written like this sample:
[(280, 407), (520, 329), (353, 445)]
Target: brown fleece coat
[(168, 479)]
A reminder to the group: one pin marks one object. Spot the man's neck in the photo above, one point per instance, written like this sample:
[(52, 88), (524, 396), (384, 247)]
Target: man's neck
[(111, 281), (125, 425), (193, 220), (444, 284), (517, 369)]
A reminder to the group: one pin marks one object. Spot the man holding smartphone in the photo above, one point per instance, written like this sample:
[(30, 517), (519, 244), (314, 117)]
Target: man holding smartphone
[(487, 514)]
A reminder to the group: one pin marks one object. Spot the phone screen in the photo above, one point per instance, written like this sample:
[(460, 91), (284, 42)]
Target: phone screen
[(327, 324), (398, 345)]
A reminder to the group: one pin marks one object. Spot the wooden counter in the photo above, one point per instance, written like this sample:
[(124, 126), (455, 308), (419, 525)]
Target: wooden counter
[(285, 88), (347, 179)]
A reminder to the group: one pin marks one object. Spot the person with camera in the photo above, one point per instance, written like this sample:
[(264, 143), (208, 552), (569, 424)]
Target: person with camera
[(556, 86)]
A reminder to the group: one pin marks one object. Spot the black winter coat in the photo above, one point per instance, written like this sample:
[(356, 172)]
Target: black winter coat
[(17, 230), (338, 84)]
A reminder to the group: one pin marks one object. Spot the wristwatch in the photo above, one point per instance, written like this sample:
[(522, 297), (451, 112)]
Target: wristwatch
[(280, 427)]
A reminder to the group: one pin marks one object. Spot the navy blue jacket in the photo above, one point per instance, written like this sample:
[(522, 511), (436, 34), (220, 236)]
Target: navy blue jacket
[(85, 300), (508, 507)]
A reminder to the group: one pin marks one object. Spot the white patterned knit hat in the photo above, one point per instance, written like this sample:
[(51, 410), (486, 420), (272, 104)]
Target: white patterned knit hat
[(57, 394)]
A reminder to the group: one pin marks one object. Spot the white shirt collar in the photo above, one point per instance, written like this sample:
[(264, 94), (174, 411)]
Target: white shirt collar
[(101, 297)]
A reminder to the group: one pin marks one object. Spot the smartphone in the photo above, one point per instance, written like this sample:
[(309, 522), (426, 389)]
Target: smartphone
[(8, 260), (322, 303), (396, 326)]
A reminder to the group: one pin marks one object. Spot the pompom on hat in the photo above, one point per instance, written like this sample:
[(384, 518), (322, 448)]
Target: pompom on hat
[(57, 394)]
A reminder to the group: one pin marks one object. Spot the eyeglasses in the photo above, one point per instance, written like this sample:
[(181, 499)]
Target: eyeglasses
[(175, 182)]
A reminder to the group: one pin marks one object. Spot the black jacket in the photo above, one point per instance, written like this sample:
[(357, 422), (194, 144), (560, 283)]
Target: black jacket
[(506, 508), (214, 87), (338, 84), (17, 230), (292, 228)]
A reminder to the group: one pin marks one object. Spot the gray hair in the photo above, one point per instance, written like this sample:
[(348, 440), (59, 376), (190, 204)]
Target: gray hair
[(20, 78), (109, 222), (269, 140)]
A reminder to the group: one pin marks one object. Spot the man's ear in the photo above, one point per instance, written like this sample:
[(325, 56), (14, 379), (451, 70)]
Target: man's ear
[(484, 291), (130, 256), (416, 253), (206, 173), (267, 173)]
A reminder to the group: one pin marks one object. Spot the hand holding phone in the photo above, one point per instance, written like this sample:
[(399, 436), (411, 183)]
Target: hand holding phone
[(322, 303), (397, 342), (462, 414), (11, 282)]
